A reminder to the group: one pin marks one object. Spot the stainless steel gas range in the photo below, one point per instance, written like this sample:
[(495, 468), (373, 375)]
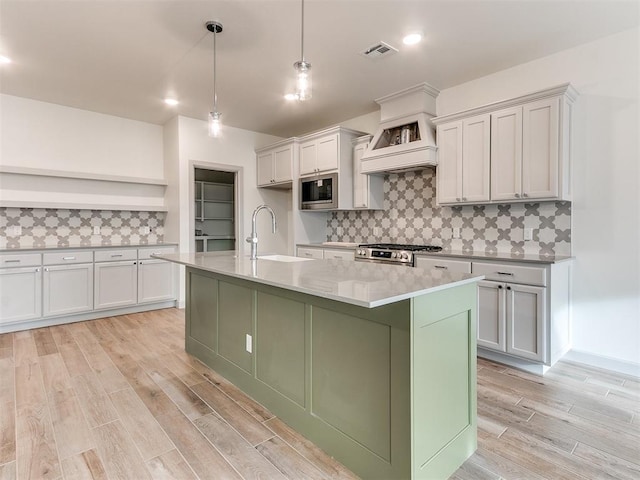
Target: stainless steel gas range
[(391, 253)]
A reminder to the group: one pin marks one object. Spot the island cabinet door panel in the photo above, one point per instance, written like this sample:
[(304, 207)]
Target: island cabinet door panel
[(443, 327), (202, 309), (350, 371), (280, 345), (235, 322)]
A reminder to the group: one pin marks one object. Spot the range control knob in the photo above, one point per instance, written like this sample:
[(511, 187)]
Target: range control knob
[(405, 255), (394, 255)]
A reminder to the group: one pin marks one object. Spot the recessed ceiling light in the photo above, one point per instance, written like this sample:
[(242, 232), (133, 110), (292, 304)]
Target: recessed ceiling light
[(4, 59), (171, 101), (291, 96), (412, 39)]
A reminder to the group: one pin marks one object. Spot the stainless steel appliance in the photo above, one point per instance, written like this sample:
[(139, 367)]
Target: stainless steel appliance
[(391, 253), (319, 192)]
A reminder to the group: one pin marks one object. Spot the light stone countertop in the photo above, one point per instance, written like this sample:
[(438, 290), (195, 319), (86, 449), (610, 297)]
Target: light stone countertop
[(473, 255), (358, 283), (84, 247)]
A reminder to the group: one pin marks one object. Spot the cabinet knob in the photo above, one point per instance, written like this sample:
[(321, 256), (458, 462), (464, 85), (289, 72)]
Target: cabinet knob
[(464, 199), (500, 287), (525, 195), (457, 199), (517, 195), (46, 269), (508, 288)]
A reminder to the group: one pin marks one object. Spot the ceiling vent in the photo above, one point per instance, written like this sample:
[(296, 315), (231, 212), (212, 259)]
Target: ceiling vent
[(379, 50)]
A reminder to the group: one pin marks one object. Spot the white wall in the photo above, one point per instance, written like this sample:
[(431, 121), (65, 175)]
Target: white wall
[(41, 135), (606, 181), (235, 148)]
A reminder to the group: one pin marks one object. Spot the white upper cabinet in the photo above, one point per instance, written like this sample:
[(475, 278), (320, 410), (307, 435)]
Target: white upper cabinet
[(319, 155), (367, 189), (506, 154), (463, 161), (275, 164), (517, 150), (540, 148)]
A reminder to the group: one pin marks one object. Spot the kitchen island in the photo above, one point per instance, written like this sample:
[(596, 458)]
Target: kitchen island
[(376, 364)]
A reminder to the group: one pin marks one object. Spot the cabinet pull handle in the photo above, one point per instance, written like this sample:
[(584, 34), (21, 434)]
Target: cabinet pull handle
[(12, 261), (509, 274), (68, 258), (441, 267), (114, 255)]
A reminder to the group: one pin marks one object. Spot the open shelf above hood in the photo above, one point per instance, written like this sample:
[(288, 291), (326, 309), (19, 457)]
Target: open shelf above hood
[(405, 139)]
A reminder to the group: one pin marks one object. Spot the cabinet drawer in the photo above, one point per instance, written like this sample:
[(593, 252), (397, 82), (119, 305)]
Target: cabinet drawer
[(339, 254), (20, 260), (514, 273), (146, 253), (115, 255), (311, 253), (461, 266), (67, 257)]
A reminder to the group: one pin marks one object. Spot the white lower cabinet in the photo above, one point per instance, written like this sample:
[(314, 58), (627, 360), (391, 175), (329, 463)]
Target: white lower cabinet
[(116, 284), (339, 254), (155, 281), (67, 289), (451, 265), (512, 319), (317, 253), (20, 294)]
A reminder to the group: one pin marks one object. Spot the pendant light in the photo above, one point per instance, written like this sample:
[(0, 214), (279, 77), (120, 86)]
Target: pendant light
[(303, 69), (214, 116)]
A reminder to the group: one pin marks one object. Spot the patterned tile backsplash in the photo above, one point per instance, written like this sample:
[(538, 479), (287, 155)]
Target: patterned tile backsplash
[(412, 216), (63, 227)]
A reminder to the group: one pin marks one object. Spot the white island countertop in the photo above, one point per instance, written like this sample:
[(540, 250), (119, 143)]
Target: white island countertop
[(358, 283)]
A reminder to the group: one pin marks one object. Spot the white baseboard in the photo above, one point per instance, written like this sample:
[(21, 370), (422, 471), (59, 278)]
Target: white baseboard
[(607, 363)]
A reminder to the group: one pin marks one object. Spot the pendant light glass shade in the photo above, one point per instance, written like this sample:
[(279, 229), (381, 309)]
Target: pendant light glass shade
[(303, 80), (215, 124), (303, 68)]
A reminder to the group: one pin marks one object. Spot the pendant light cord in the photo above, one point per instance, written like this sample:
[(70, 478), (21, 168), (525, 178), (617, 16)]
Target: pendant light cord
[(215, 97), (302, 34)]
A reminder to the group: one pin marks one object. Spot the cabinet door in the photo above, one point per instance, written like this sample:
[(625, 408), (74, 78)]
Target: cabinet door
[(20, 294), (475, 158), (327, 158), (282, 162), (155, 281), (67, 289), (115, 284), (265, 168), (491, 316), (360, 180), (449, 162), (308, 154), (540, 148), (526, 321), (506, 154)]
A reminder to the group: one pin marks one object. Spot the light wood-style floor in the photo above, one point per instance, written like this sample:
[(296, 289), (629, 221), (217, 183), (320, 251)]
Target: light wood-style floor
[(118, 398)]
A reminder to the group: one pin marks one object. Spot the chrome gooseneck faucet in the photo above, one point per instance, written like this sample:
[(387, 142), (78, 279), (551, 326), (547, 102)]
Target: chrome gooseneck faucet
[(253, 239)]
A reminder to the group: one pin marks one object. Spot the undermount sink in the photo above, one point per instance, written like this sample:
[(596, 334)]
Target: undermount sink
[(283, 258)]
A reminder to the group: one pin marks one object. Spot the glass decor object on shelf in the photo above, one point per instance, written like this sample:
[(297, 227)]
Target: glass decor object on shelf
[(398, 135)]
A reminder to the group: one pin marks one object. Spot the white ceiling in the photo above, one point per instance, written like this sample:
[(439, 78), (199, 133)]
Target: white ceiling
[(122, 57)]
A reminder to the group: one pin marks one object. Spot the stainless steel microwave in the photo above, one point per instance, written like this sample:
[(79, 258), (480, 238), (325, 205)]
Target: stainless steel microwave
[(319, 192)]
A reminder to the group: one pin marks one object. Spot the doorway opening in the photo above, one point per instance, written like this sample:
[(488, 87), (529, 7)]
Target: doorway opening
[(215, 209)]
